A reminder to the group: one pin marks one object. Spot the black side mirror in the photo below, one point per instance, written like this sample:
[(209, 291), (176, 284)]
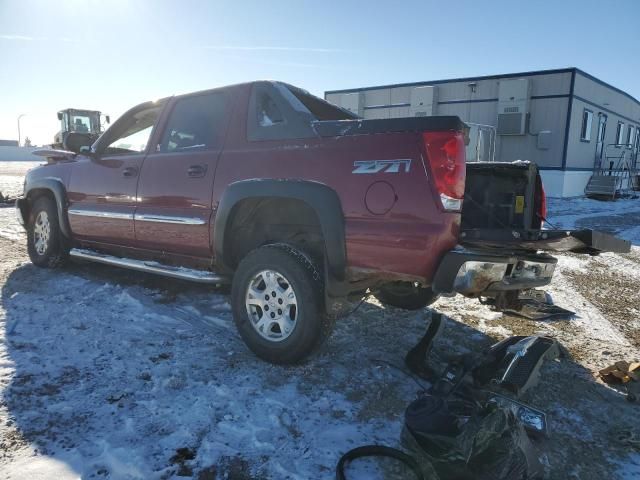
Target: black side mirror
[(107, 118), (78, 142), (59, 115)]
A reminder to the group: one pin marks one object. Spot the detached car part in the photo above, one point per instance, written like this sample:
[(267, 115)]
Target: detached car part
[(514, 362)]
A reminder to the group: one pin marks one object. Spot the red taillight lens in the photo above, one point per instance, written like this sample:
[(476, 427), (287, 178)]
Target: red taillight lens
[(541, 201), (445, 151)]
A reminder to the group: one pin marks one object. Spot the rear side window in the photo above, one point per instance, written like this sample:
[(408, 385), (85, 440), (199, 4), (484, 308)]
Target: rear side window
[(320, 109), (268, 112), (196, 123)]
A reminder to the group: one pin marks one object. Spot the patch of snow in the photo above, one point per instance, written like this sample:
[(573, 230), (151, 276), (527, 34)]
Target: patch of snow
[(628, 468), (39, 467)]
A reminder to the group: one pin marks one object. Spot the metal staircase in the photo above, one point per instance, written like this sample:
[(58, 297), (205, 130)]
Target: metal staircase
[(615, 176)]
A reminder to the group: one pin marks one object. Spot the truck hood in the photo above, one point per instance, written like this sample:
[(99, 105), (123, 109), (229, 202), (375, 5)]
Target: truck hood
[(54, 155)]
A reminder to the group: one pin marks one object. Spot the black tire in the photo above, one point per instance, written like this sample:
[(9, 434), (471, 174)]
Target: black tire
[(311, 326), (53, 253), (406, 295)]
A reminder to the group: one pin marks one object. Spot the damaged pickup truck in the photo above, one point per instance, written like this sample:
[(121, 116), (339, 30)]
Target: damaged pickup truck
[(298, 205)]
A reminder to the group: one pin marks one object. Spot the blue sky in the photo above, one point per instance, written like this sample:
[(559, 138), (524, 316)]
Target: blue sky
[(111, 55)]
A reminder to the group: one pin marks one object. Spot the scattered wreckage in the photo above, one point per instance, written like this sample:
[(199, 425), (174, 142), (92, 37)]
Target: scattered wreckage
[(6, 200), (467, 423)]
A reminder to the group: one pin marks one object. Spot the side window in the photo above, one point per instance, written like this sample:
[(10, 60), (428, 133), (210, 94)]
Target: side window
[(630, 134), (268, 112), (196, 123), (587, 120), (620, 133), (272, 116), (134, 132)]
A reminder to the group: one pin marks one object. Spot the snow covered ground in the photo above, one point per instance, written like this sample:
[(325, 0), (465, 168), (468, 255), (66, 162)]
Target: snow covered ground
[(109, 374)]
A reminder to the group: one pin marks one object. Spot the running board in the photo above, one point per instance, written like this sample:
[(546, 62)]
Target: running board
[(200, 276)]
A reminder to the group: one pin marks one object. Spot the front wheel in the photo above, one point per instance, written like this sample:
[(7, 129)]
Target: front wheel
[(406, 295), (276, 297), (45, 243)]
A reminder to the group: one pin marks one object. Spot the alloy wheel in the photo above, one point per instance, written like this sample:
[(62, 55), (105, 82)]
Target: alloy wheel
[(272, 305)]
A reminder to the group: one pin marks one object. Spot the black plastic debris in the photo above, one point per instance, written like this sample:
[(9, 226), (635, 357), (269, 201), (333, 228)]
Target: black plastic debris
[(537, 305), (490, 444), (514, 362)]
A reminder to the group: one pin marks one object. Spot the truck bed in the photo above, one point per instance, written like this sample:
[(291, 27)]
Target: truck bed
[(502, 210)]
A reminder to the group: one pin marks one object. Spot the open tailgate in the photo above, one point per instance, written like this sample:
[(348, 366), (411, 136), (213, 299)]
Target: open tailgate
[(577, 241)]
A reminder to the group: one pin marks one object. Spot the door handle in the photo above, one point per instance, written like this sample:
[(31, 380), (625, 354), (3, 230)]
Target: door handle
[(130, 172), (195, 171)]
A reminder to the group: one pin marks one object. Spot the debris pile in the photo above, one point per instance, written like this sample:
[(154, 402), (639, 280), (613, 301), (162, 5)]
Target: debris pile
[(6, 200), (621, 372), (626, 375), (467, 423)]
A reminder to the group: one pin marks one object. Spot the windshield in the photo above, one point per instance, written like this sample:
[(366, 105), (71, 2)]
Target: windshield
[(84, 123)]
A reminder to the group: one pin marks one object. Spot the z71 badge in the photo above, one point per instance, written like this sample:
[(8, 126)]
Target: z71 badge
[(382, 166)]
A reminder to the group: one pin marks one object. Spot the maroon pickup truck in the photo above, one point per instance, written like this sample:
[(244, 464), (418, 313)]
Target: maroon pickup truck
[(297, 204)]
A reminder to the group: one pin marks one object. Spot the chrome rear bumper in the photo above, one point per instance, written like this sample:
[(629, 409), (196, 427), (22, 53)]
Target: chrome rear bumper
[(475, 273)]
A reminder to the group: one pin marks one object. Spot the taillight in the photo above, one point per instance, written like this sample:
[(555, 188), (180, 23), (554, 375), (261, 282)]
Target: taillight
[(541, 201), (445, 151)]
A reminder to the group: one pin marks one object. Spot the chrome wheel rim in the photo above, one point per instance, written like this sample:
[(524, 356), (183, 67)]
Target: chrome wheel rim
[(41, 233), (272, 305)]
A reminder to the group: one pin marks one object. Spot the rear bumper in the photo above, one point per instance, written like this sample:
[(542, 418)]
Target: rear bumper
[(475, 273)]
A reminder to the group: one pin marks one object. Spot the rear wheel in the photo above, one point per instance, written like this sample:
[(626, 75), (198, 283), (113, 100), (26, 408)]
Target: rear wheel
[(45, 243), (406, 295), (276, 298)]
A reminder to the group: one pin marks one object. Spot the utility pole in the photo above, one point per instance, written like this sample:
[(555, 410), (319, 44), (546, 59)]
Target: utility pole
[(19, 117)]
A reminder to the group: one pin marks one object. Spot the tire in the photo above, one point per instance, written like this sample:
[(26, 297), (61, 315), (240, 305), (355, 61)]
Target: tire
[(298, 288), (406, 295), (45, 243)]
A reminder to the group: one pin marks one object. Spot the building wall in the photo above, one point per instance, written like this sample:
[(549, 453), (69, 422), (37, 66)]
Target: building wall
[(8, 154), (548, 108), (600, 99), (568, 163)]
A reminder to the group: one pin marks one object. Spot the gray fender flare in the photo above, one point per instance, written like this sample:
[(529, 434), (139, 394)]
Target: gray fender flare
[(56, 187), (321, 198)]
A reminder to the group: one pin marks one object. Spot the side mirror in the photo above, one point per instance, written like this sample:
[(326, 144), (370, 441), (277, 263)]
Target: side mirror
[(107, 118), (76, 142), (59, 115)]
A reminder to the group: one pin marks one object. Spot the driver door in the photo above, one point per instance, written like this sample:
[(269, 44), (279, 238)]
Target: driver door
[(102, 187)]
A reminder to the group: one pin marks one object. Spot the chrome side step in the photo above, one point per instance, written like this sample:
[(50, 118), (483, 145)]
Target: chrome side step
[(200, 276)]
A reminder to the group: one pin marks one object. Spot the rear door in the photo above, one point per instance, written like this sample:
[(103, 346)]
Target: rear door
[(176, 181), (102, 188)]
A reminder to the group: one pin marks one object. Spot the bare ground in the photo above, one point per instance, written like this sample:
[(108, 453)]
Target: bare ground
[(125, 362)]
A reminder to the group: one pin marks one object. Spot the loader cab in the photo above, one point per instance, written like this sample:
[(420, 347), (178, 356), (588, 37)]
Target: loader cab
[(80, 121)]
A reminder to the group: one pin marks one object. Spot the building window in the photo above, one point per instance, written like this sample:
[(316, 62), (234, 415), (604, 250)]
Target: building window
[(620, 133), (587, 120), (630, 135), (637, 150)]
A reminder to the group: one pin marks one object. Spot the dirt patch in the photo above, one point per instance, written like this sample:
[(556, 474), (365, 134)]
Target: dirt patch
[(181, 458), (11, 441), (615, 295), (236, 468)]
